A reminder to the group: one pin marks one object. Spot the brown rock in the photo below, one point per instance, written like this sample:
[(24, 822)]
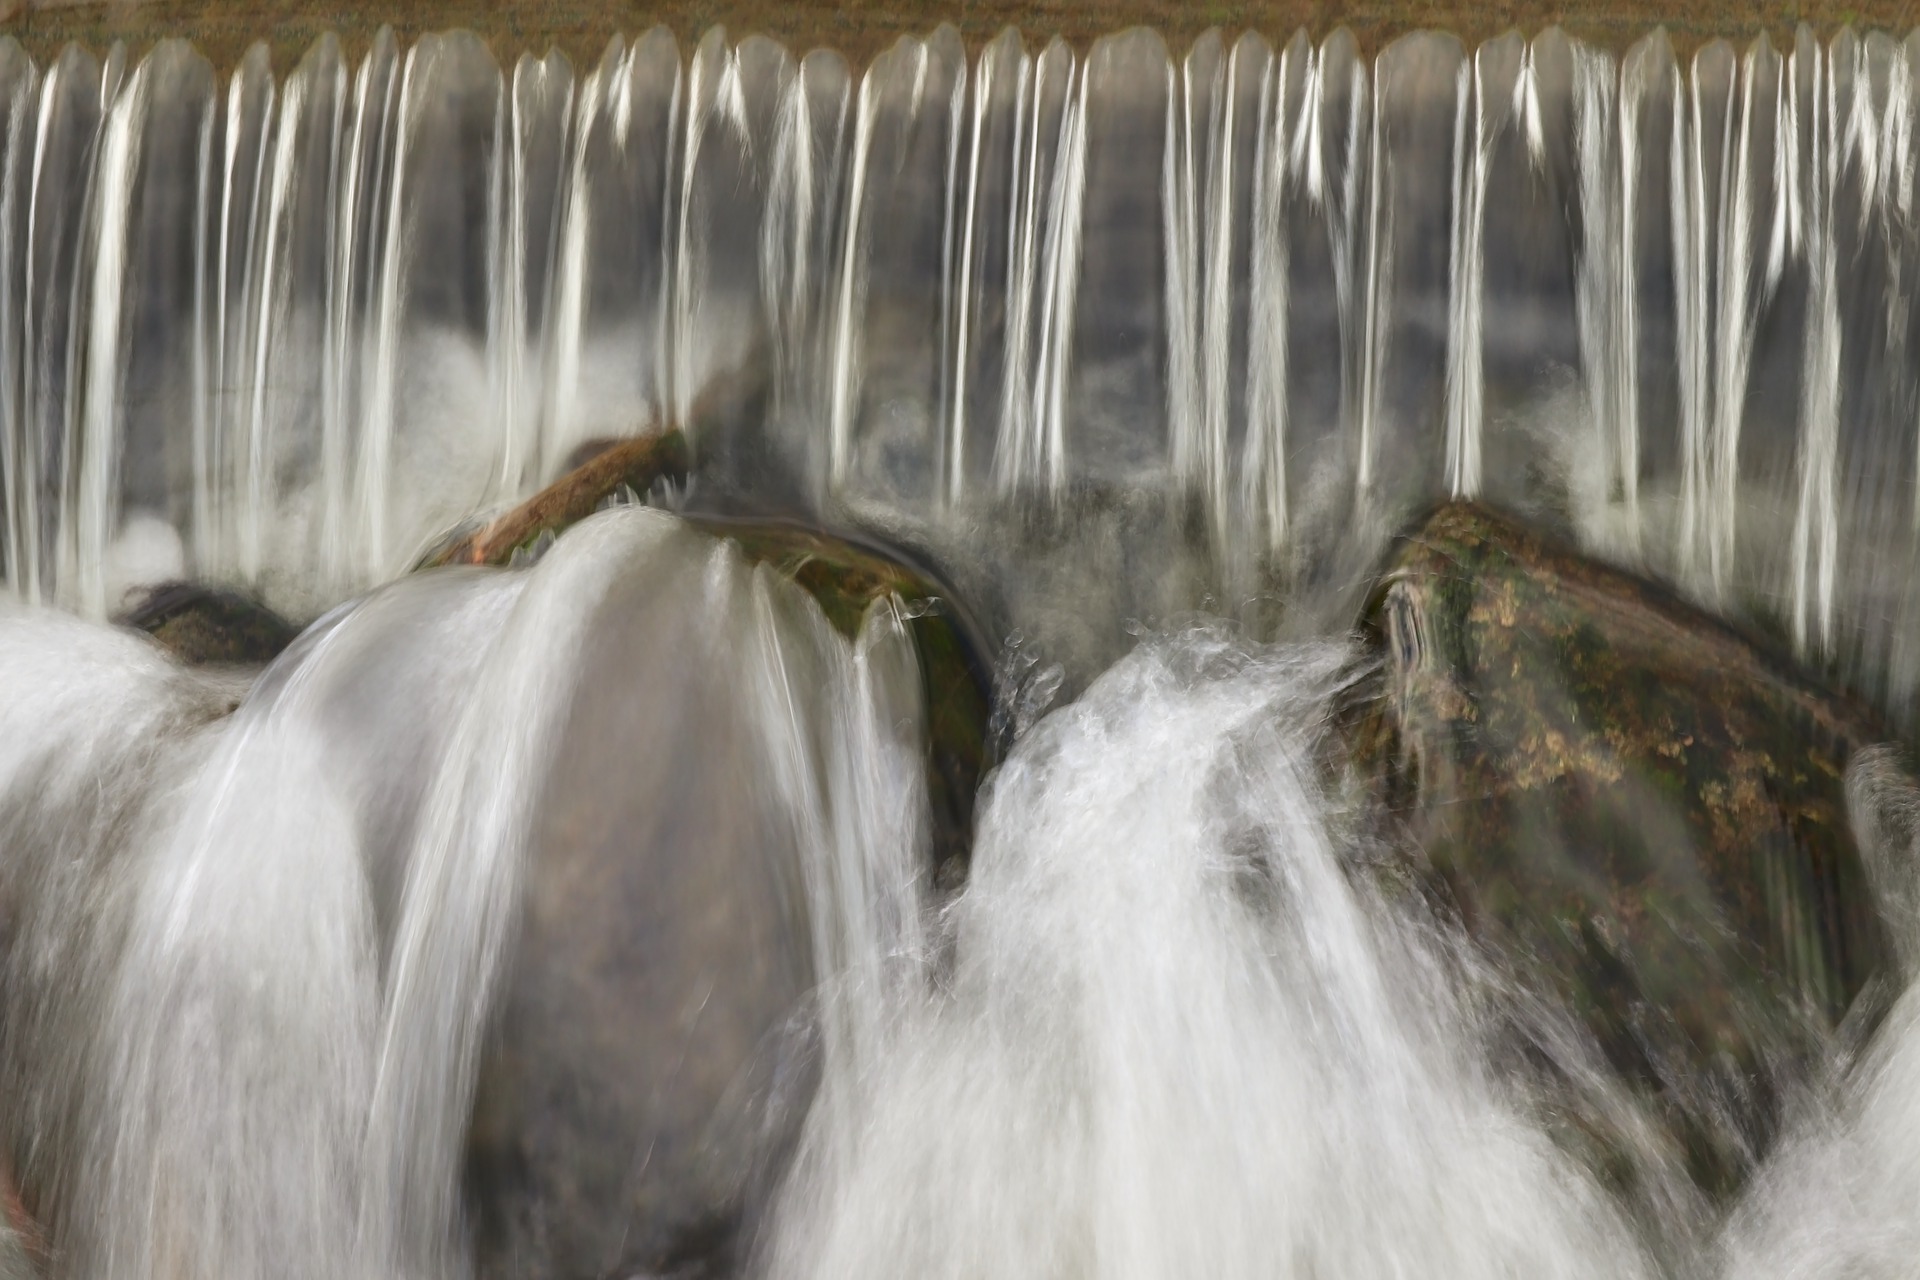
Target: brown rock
[(1640, 810)]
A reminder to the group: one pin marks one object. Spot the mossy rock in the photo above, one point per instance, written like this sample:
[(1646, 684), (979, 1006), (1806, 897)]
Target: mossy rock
[(1638, 809), (845, 575)]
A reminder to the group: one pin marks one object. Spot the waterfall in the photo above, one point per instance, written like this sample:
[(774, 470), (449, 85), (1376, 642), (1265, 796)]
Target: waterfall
[(286, 334), (1176, 1038), (392, 959), (274, 938)]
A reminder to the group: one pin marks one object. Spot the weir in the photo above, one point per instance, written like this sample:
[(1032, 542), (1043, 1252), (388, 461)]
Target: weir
[(280, 333), (597, 886)]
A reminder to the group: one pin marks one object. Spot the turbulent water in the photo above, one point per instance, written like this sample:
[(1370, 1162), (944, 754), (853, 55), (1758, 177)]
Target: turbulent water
[(1169, 1027), (580, 918)]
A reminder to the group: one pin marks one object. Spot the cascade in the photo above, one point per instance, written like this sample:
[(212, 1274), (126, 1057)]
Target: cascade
[(611, 895), (280, 335)]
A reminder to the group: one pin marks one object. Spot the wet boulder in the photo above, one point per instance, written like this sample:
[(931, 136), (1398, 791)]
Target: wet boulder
[(1639, 813), (653, 1052), (207, 626)]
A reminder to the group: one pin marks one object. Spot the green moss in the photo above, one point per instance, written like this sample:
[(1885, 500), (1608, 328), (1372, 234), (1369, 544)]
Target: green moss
[(1638, 809)]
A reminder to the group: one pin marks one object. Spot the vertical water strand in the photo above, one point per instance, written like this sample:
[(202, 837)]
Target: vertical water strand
[(383, 326), (1235, 144), (19, 115), (1692, 308), (568, 310), (1213, 231), (1010, 446), (713, 88), (1816, 530), (1230, 216), (150, 525), (1904, 661), (849, 292), (1472, 154), (286, 489), (1895, 209), (266, 314), (1021, 456), (1604, 137), (787, 238), (363, 168), (717, 301), (1198, 75), (1061, 279), (831, 86), (92, 437), (981, 86), (1739, 307), (66, 134), (608, 372), (987, 310), (1649, 86), (432, 442), (537, 161), (951, 287), (892, 401), (252, 98), (1326, 164), (329, 462), (206, 339), (1263, 460), (504, 321), (1375, 251)]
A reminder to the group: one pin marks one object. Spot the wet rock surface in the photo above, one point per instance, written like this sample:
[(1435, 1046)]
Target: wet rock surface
[(653, 1056), (846, 576), (206, 626), (1641, 811), (631, 1094), (604, 471)]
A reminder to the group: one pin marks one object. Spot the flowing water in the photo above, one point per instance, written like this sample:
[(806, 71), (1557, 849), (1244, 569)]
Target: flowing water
[(332, 970)]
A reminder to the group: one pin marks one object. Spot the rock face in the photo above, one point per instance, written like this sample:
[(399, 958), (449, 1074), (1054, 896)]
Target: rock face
[(1636, 809)]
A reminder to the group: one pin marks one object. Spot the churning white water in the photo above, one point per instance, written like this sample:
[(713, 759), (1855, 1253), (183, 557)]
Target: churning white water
[(250, 961), (258, 962), (1169, 1033)]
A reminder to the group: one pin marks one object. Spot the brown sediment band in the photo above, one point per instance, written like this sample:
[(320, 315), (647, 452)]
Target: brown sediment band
[(859, 29)]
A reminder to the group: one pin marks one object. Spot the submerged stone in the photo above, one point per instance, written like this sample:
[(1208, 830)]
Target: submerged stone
[(653, 1053), (206, 626), (1641, 813)]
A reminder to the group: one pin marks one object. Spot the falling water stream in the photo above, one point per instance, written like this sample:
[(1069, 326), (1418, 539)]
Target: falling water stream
[(331, 970)]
